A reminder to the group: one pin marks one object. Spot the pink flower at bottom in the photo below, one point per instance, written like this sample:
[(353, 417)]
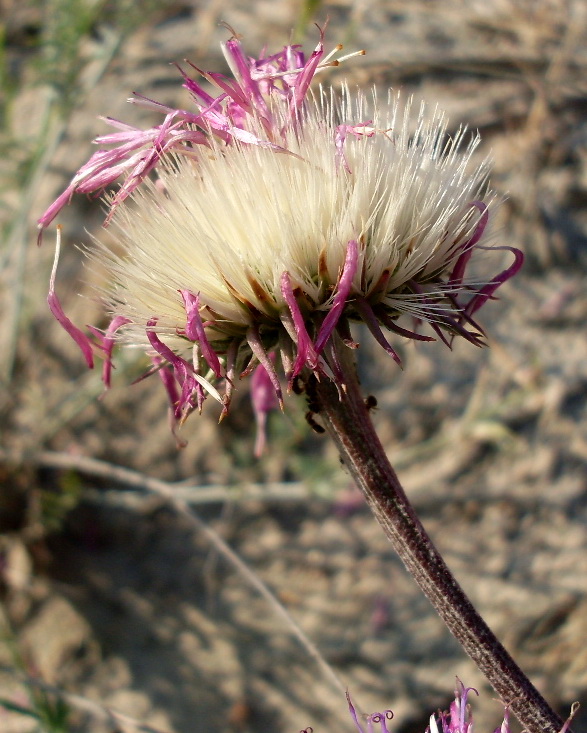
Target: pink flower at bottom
[(457, 720)]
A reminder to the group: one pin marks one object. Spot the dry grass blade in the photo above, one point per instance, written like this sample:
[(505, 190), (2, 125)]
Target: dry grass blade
[(112, 717), (139, 481)]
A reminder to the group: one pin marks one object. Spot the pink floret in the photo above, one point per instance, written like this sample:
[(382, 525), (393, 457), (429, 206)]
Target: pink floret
[(233, 115), (264, 400)]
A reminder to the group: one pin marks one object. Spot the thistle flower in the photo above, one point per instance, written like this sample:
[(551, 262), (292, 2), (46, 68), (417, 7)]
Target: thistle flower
[(278, 218)]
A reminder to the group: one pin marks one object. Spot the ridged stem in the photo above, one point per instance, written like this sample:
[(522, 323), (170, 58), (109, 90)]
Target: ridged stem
[(347, 420)]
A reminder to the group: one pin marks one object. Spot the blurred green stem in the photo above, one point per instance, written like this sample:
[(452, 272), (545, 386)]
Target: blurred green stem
[(17, 240), (347, 420), (308, 9), (54, 126)]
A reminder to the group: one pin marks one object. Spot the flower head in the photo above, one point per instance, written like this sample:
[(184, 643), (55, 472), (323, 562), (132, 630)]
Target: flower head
[(278, 218)]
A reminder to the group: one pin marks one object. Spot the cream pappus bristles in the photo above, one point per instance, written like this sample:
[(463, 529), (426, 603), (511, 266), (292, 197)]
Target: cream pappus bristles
[(258, 227), (229, 225)]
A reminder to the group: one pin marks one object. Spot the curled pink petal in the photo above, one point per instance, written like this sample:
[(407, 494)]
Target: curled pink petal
[(306, 354), (170, 384), (487, 291), (52, 211), (228, 86), (467, 248), (241, 68), (167, 377), (198, 92), (195, 330), (381, 720), (304, 78), (56, 309), (182, 369), (106, 344), (264, 400), (161, 348), (76, 334), (342, 293)]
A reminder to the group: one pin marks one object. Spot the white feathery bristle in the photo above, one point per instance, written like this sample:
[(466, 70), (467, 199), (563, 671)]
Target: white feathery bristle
[(228, 224)]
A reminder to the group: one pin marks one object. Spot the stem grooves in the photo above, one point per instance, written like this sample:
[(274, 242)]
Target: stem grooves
[(349, 424)]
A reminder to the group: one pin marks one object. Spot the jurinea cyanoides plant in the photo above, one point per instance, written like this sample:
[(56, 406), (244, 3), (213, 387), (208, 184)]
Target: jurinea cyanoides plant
[(250, 231)]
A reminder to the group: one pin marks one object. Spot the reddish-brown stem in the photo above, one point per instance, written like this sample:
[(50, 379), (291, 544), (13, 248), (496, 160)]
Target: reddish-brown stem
[(349, 424)]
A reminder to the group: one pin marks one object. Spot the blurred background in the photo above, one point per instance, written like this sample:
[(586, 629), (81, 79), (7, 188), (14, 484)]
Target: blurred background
[(108, 591)]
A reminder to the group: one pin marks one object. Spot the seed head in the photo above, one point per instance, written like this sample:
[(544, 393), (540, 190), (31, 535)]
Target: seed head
[(278, 217)]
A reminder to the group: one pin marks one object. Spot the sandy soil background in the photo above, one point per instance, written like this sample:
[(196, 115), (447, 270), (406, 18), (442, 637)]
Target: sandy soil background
[(111, 594)]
